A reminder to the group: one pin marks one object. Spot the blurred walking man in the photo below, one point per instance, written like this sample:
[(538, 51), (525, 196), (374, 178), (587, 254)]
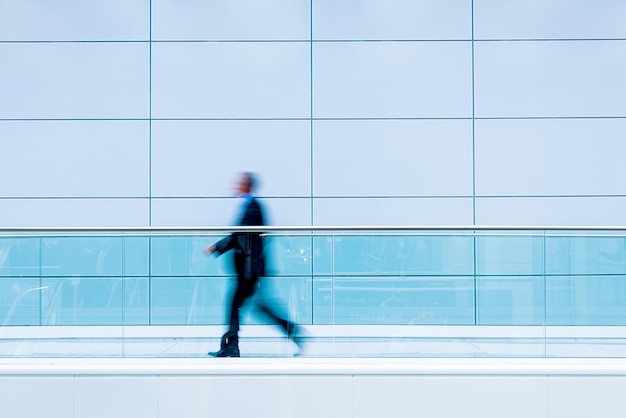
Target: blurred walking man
[(249, 263)]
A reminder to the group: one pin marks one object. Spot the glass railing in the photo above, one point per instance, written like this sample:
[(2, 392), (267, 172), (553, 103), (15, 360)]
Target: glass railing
[(462, 292)]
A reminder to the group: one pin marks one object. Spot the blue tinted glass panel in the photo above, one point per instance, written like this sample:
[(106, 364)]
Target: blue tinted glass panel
[(19, 256), (322, 254), (288, 255), (402, 255), (20, 301), (136, 256), (136, 301), (189, 300), (83, 301), (322, 306), (82, 256), (401, 300), (586, 300), (510, 255), (586, 255), (184, 256), (510, 300), (287, 297)]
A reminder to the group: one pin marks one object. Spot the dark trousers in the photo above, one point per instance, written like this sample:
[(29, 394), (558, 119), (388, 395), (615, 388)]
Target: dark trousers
[(244, 290)]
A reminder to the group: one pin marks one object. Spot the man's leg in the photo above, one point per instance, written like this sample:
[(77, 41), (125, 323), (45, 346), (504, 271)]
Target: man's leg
[(268, 306), (274, 317), (229, 346)]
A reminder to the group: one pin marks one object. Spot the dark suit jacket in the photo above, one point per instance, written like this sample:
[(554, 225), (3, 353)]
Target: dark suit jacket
[(249, 256)]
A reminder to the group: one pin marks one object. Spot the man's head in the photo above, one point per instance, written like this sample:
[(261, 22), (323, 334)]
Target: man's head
[(246, 183)]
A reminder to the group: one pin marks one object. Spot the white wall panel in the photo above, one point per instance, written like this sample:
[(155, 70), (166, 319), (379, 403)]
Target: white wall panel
[(343, 388), (550, 157), (513, 397), (203, 158), (74, 80), (392, 211), (33, 396), (231, 80), (265, 396), (251, 59), (224, 212), (230, 20), (74, 212), (538, 79), (70, 20), (74, 158), (288, 212), (587, 396), (392, 80), (106, 397), (392, 158), (525, 19), (391, 19), (547, 211)]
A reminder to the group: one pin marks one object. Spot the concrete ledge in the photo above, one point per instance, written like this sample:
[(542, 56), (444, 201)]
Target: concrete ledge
[(308, 366), (312, 387)]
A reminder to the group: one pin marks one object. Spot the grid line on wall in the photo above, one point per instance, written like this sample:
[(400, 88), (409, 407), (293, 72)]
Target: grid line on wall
[(150, 124), (473, 124), (311, 119)]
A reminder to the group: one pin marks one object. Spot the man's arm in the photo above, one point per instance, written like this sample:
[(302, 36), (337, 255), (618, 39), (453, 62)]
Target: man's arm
[(252, 217), (221, 246)]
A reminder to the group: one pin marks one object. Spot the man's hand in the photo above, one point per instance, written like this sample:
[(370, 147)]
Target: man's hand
[(209, 250)]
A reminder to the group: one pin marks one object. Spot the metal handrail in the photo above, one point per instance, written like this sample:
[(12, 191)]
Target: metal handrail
[(208, 229)]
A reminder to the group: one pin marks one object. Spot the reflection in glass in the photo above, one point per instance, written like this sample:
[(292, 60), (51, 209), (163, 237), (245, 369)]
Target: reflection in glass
[(20, 301), (19, 256), (82, 301)]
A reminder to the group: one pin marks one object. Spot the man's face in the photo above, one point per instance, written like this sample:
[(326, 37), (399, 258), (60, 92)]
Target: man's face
[(241, 186)]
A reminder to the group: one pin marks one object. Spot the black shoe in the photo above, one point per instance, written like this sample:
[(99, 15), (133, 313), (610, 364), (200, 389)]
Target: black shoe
[(297, 336), (225, 352)]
